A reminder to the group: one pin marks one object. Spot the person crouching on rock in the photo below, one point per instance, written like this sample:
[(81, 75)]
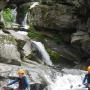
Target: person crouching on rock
[(22, 81), (86, 80)]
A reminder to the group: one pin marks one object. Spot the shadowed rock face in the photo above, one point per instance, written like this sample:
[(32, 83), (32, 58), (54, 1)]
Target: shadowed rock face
[(18, 1), (3, 3)]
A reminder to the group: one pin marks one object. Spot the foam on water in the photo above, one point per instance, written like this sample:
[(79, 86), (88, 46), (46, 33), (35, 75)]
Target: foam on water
[(71, 81)]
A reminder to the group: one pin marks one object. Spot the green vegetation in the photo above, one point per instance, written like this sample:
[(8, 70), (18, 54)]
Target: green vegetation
[(55, 56), (7, 14), (37, 35), (58, 39), (33, 34)]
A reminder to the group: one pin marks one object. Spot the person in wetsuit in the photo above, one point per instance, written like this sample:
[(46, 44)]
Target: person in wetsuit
[(22, 81), (86, 80)]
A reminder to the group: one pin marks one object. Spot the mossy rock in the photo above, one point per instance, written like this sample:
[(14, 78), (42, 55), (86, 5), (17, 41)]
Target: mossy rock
[(36, 35), (2, 25), (55, 56), (56, 16)]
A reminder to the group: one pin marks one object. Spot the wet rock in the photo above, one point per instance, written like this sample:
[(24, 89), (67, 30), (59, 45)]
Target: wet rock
[(2, 25), (86, 45), (69, 56), (79, 36), (8, 49), (56, 17), (23, 42), (35, 86), (19, 35), (3, 3), (5, 70), (69, 52)]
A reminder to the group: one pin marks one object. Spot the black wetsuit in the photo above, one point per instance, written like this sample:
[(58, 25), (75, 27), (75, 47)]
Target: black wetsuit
[(87, 77)]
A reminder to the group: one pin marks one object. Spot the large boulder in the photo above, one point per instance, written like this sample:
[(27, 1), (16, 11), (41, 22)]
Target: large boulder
[(56, 17), (56, 14), (8, 49)]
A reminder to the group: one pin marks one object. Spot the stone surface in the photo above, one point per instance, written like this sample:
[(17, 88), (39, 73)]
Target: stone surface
[(8, 49), (79, 36), (3, 3), (56, 17)]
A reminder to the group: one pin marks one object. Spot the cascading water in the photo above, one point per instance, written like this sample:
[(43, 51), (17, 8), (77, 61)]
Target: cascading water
[(1, 17), (66, 81), (24, 23), (25, 20), (14, 13), (45, 56)]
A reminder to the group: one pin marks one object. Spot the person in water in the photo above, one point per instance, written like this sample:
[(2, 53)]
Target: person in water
[(86, 80), (22, 81)]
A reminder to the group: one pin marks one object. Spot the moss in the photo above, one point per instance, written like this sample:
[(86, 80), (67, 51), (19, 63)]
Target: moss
[(37, 35), (58, 39), (33, 34), (55, 56)]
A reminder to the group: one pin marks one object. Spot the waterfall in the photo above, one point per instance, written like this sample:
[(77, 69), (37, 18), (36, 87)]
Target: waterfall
[(40, 47), (1, 17), (24, 23), (25, 20), (14, 13)]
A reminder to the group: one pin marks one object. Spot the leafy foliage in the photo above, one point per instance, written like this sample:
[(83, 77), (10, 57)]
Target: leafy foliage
[(7, 14)]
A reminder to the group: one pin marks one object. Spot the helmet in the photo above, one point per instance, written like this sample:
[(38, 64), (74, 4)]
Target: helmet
[(21, 71), (88, 69)]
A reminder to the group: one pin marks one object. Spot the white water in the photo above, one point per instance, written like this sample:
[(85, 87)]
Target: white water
[(45, 56), (67, 81), (24, 23), (14, 13), (25, 20), (1, 17)]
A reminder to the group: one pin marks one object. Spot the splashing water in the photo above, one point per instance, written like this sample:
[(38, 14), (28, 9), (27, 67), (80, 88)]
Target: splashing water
[(45, 56), (70, 81)]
